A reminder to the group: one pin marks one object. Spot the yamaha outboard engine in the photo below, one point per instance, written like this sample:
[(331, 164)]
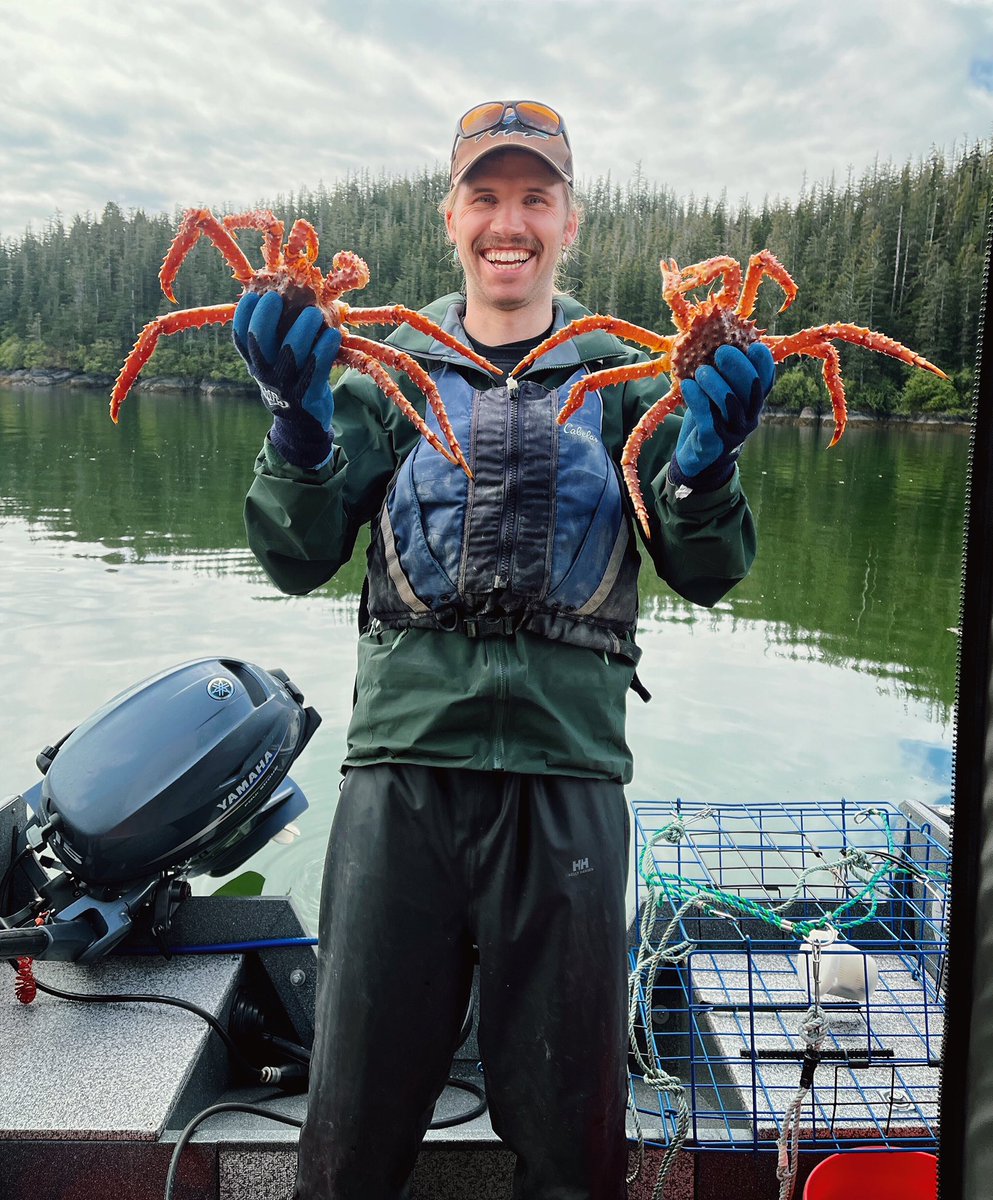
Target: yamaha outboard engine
[(183, 774)]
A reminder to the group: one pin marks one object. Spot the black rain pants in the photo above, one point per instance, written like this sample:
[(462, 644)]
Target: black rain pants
[(422, 864)]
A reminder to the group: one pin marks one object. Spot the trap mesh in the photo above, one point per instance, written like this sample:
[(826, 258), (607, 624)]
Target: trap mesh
[(726, 1020)]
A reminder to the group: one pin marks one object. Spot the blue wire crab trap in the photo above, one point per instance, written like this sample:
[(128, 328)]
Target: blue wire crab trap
[(731, 900)]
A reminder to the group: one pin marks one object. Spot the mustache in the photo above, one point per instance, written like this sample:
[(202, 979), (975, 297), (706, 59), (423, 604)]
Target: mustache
[(522, 243)]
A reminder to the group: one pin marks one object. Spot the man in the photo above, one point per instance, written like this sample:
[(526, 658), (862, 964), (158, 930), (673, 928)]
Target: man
[(482, 805)]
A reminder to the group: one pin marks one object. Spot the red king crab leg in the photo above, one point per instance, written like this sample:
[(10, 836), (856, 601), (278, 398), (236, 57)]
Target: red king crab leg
[(197, 222), (380, 352), (648, 424), (396, 314), (624, 329), (815, 342), (265, 223), (611, 375), (141, 352), (763, 263)]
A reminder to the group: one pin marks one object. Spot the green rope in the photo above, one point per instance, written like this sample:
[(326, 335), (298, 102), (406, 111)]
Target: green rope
[(679, 890)]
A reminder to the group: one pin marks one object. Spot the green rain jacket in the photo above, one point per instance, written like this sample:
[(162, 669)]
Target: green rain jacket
[(515, 703)]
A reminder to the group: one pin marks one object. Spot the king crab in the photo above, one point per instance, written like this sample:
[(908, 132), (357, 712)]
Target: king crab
[(289, 270), (702, 326)]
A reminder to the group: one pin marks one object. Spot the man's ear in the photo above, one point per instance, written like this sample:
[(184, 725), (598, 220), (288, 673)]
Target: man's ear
[(571, 229), (449, 222)]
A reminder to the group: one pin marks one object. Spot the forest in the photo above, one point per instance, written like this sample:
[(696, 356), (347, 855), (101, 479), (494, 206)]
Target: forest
[(898, 249)]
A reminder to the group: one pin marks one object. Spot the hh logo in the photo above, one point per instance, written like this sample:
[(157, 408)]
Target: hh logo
[(580, 866), (272, 399)]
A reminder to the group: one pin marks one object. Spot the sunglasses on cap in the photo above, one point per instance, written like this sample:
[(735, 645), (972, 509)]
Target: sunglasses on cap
[(528, 113), (523, 124)]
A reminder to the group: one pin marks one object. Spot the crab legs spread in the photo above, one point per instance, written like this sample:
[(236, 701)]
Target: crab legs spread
[(290, 270), (703, 325)]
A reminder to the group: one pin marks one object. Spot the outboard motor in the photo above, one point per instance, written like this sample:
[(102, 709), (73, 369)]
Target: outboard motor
[(183, 774)]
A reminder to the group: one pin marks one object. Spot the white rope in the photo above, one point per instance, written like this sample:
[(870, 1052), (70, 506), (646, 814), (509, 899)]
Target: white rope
[(789, 1145), (647, 965), (814, 1028)]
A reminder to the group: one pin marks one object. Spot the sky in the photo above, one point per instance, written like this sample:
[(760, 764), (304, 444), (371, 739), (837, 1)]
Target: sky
[(167, 106)]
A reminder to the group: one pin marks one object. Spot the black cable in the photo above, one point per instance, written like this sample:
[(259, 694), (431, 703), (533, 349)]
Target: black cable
[(461, 1118), (255, 1110), (298, 1053), (258, 1073), (232, 1106), (175, 1002)]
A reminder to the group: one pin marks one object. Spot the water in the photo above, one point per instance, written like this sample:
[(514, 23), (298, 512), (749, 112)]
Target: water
[(829, 673)]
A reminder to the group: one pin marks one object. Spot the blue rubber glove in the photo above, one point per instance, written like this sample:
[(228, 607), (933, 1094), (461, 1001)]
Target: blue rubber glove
[(292, 371), (723, 406)]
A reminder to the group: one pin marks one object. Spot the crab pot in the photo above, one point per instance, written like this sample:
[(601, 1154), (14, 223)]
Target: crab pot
[(727, 1018)]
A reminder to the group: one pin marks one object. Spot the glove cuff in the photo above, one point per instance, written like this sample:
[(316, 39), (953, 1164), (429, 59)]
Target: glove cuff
[(708, 480), (302, 444)]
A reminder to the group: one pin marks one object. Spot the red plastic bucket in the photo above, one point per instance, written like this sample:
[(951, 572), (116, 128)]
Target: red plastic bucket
[(874, 1175)]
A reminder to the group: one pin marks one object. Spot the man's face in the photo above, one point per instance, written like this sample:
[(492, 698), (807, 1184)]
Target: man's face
[(509, 221)]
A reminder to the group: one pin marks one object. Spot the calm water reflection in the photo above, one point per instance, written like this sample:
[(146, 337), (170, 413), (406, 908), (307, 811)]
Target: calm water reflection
[(829, 672)]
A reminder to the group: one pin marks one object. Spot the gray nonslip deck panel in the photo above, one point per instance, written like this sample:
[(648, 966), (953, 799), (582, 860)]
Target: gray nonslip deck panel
[(89, 1071), (442, 1173)]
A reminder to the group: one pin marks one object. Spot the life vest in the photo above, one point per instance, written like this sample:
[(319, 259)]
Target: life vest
[(538, 540)]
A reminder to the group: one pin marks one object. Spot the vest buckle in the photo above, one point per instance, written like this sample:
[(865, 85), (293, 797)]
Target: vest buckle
[(490, 626)]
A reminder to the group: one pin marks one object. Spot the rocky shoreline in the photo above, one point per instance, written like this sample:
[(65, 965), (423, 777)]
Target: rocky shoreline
[(808, 416), (42, 377)]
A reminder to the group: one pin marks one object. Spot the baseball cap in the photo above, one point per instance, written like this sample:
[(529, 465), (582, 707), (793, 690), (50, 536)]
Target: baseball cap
[(505, 124)]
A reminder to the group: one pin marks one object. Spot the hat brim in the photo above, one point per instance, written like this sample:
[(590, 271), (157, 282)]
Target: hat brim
[(471, 151)]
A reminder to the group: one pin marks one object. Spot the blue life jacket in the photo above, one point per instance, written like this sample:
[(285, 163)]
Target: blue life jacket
[(538, 540)]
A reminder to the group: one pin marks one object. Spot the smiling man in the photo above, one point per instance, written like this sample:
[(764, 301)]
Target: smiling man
[(511, 215), (482, 813)]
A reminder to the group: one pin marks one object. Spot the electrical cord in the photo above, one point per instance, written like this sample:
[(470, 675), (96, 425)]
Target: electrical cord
[(264, 1074), (299, 1054), (461, 1118), (135, 998), (230, 1106), (255, 1109)]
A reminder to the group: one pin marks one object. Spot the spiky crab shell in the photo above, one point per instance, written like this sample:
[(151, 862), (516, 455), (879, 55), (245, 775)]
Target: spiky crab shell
[(300, 282), (297, 293), (713, 326)]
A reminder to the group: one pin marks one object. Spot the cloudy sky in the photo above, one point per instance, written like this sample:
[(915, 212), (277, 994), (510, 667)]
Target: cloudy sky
[(214, 102)]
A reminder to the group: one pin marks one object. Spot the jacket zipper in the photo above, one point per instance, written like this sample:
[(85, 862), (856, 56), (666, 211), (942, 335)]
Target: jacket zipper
[(501, 677), (508, 531)]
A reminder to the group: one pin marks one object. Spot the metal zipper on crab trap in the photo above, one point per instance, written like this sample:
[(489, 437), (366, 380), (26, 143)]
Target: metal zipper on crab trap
[(969, 533)]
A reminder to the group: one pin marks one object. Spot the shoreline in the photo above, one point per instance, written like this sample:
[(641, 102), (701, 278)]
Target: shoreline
[(42, 377), (924, 421)]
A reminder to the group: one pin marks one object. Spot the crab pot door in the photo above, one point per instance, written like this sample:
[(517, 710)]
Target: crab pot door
[(966, 1151)]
